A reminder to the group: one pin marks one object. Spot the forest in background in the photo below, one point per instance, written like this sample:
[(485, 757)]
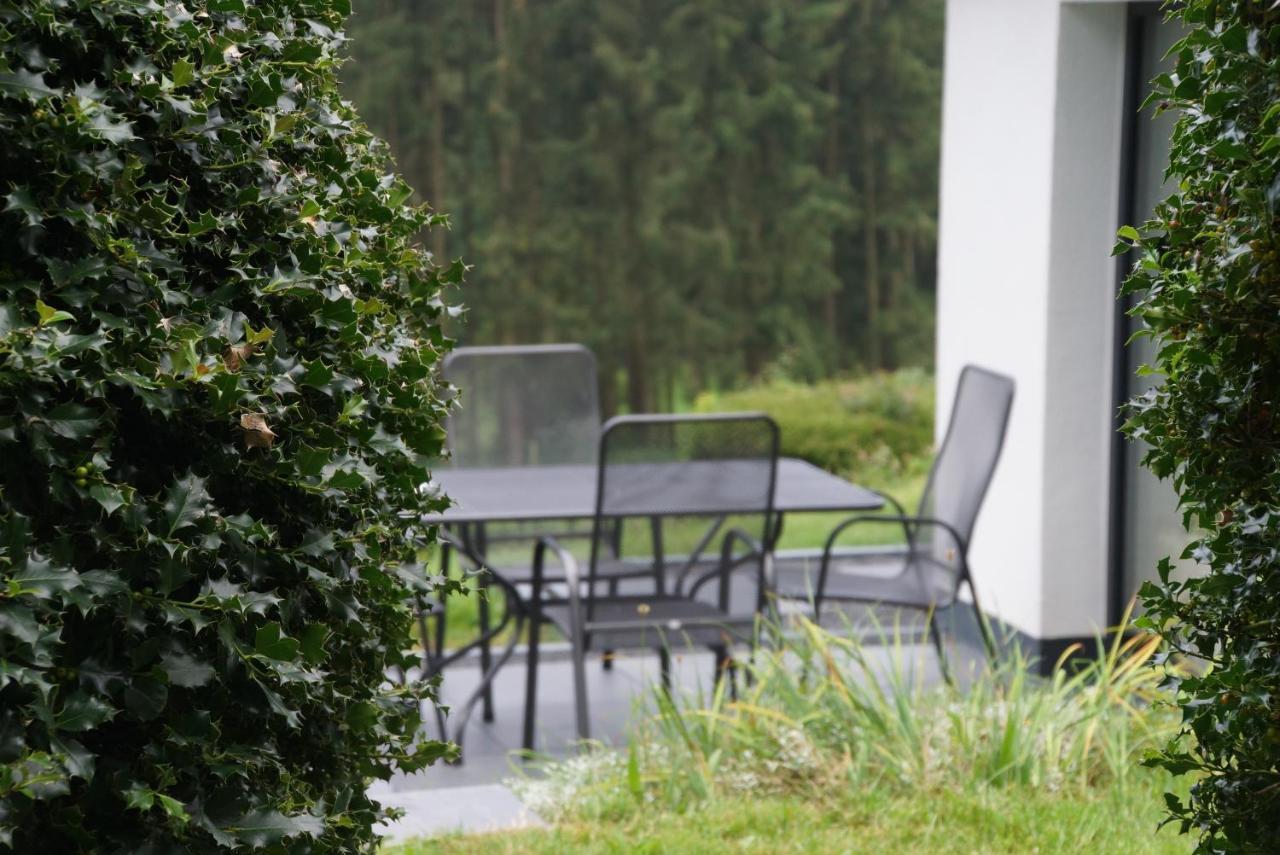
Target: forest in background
[(705, 192)]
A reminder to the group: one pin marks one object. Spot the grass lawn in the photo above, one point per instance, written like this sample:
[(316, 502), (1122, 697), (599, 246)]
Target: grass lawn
[(985, 820), (833, 747)]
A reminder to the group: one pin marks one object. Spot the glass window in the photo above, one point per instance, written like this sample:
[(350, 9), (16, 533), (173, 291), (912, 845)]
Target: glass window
[(1152, 524)]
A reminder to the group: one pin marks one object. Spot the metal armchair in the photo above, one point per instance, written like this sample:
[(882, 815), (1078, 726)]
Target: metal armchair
[(686, 479), (522, 405), (927, 574)]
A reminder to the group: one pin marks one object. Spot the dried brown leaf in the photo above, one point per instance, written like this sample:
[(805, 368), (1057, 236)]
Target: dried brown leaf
[(237, 355), (257, 433)]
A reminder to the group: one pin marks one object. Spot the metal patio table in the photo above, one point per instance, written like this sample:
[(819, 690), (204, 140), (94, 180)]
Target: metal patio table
[(568, 493)]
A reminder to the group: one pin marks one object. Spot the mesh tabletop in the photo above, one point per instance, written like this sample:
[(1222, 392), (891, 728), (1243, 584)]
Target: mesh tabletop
[(569, 492)]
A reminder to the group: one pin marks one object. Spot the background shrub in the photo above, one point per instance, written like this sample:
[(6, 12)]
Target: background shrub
[(871, 428), (216, 408), (1206, 280)]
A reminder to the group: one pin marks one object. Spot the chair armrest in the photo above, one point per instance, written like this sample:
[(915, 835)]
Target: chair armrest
[(727, 562), (910, 524), (898, 510), (572, 576), (568, 564)]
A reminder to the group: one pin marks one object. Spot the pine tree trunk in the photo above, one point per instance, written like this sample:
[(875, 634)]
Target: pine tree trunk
[(637, 372), (831, 300), (437, 166), (870, 223)]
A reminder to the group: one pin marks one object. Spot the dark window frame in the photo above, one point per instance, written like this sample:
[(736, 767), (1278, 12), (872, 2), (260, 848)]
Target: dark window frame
[(1140, 17)]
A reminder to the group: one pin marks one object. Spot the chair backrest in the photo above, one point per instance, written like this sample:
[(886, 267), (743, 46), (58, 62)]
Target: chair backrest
[(524, 405), (965, 463), (675, 485)]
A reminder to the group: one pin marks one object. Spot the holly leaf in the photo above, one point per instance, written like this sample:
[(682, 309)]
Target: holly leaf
[(83, 712), (271, 642), (74, 272), (23, 202), (73, 421), (97, 674), (103, 583), (139, 797), (44, 578), (110, 129), (186, 671), (78, 760), (183, 72), (398, 194), (316, 543), (267, 827), (19, 622), (107, 496), (26, 84), (312, 641), (256, 337), (146, 698), (186, 502), (49, 315)]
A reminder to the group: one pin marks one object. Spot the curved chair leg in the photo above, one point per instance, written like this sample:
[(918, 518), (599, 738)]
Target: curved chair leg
[(580, 693), (440, 629), (936, 635), (424, 635), (726, 668), (446, 555), (606, 657), (516, 618), (984, 626), (664, 663), (486, 654), (531, 680)]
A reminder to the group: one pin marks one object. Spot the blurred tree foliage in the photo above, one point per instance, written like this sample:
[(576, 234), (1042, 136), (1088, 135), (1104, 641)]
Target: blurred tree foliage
[(700, 191)]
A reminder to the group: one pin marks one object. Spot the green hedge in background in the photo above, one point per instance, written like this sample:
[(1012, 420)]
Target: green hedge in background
[(216, 408), (873, 428), (1206, 286)]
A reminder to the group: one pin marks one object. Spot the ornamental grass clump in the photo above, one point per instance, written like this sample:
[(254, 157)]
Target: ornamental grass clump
[(1205, 285), (217, 339), (823, 717)]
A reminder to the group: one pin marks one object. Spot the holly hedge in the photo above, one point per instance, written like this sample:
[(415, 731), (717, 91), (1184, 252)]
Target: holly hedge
[(1206, 285), (217, 409)]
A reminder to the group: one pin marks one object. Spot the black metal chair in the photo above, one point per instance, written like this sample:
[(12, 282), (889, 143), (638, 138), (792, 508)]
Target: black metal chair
[(690, 485), (520, 406), (523, 405), (927, 574)]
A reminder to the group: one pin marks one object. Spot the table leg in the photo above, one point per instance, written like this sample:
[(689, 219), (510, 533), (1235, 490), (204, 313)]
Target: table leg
[(485, 650), (513, 615), (531, 671)]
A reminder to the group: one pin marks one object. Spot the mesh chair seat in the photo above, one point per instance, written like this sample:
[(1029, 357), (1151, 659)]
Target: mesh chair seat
[(656, 622), (889, 578)]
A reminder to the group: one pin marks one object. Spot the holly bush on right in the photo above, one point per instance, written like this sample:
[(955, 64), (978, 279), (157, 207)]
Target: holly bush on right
[(1207, 285)]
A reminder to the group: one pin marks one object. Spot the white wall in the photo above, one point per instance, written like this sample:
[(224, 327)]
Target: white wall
[(1032, 115)]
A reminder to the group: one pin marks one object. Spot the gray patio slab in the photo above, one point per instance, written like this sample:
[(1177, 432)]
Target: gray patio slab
[(491, 750), (466, 810)]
